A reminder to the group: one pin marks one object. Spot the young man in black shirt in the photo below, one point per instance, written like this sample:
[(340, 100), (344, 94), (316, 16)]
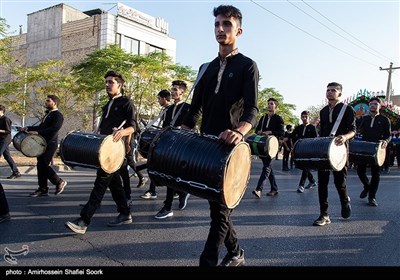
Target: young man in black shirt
[(269, 124), (374, 128), (305, 130), (226, 98), (345, 131), (118, 110)]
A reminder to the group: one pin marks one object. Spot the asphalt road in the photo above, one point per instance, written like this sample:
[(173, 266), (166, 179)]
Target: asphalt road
[(275, 232)]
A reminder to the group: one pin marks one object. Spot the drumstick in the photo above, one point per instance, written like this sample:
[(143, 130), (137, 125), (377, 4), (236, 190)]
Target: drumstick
[(121, 125)]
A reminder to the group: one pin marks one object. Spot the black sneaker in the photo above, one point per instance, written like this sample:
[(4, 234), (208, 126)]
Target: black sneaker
[(120, 220), (164, 213), (5, 217), (183, 200), (39, 192), (322, 220), (363, 194), (372, 202), (14, 175), (77, 226), (60, 187), (233, 260), (346, 208)]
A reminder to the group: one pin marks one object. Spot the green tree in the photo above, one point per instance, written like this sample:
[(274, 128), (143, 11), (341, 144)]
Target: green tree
[(30, 86), (145, 76), (5, 43)]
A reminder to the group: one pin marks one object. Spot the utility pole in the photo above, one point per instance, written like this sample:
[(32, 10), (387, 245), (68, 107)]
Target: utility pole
[(389, 83)]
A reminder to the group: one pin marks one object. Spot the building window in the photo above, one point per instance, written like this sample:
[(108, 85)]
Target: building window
[(150, 49), (130, 45)]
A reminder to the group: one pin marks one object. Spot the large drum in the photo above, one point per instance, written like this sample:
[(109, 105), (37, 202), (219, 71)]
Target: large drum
[(92, 151), (366, 152), (320, 153), (145, 140), (263, 145), (200, 164), (28, 144)]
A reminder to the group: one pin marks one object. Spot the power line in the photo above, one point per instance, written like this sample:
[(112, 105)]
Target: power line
[(327, 27), (382, 55), (311, 35)]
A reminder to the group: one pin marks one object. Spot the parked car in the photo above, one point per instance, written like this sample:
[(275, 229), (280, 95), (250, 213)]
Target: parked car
[(14, 130)]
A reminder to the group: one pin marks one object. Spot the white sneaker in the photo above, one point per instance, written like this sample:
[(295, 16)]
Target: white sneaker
[(148, 195)]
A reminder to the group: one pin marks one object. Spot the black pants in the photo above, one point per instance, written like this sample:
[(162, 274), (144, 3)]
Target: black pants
[(5, 151), (369, 185), (339, 179), (44, 170), (102, 182), (221, 232), (267, 173), (306, 173), (3, 202)]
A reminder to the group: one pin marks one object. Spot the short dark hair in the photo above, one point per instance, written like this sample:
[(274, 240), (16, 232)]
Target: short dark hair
[(228, 11), (165, 94), (375, 99), (3, 108), (179, 83), (305, 113), (273, 100), (54, 98), (335, 84), (120, 79)]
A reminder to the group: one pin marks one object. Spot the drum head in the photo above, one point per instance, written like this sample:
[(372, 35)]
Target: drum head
[(337, 156), (237, 174), (33, 145), (380, 155), (273, 146), (111, 154)]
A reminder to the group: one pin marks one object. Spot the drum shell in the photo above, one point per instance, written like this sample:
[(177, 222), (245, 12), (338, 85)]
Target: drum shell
[(201, 165), (92, 151), (263, 145), (365, 152), (29, 145), (145, 140), (320, 153)]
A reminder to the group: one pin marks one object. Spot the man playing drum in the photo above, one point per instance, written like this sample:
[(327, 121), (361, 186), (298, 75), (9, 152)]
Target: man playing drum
[(305, 130), (345, 131), (48, 129), (173, 117), (374, 128), (269, 124), (118, 111), (226, 99)]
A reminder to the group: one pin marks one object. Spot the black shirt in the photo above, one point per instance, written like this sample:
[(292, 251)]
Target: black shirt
[(275, 124), (5, 124), (237, 92), (182, 109), (50, 125), (380, 129), (122, 109), (347, 124), (301, 131)]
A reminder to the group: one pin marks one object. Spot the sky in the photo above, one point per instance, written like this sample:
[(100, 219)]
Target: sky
[(299, 46)]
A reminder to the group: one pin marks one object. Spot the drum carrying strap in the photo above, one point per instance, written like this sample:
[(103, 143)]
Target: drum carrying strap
[(338, 120), (201, 72)]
